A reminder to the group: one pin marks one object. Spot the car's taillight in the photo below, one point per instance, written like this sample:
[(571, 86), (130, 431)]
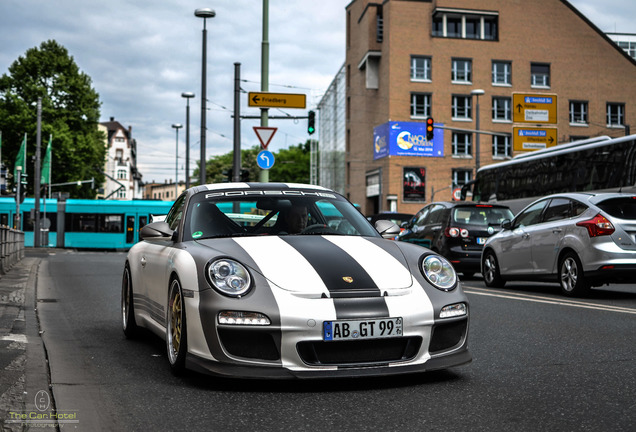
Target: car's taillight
[(597, 226), (456, 232)]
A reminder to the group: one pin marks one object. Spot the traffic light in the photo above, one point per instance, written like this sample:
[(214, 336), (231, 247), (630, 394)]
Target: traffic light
[(311, 122), (430, 129)]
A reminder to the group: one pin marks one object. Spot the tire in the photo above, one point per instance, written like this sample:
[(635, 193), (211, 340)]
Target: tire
[(571, 277), (490, 271), (129, 324), (176, 331)]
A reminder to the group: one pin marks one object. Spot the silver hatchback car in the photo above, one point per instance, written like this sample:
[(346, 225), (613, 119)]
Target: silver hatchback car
[(579, 240)]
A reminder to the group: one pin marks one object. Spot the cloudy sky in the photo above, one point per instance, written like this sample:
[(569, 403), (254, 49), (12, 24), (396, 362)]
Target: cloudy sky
[(142, 54)]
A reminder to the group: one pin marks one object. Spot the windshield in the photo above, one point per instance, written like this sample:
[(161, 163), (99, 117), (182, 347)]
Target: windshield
[(234, 213), (481, 215)]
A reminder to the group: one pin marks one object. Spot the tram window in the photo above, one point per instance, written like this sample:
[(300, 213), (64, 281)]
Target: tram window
[(28, 221), (90, 222), (4, 219)]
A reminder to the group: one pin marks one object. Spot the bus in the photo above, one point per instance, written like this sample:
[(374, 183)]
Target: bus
[(592, 165), (82, 223)]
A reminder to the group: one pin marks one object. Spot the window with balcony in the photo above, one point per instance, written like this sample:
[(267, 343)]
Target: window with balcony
[(501, 109), (465, 24), (578, 113), (462, 107), (420, 68), (502, 73), (420, 105)]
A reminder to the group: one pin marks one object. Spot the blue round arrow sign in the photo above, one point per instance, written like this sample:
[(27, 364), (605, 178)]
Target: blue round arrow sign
[(265, 159)]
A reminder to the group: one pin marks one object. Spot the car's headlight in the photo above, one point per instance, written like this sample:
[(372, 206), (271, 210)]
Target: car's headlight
[(439, 272), (229, 277)]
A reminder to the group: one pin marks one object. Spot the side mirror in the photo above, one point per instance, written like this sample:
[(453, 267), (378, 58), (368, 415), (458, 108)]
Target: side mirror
[(156, 231), (387, 229), (506, 224)]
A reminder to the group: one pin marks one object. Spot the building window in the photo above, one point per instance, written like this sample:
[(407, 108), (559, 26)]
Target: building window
[(462, 107), (462, 71), (462, 144), (501, 109), (121, 174), (420, 68), (615, 114), (119, 155), (119, 139), (420, 105), (501, 73), (578, 112), (540, 73), (501, 147), (629, 47), (462, 24), (121, 193), (461, 177)]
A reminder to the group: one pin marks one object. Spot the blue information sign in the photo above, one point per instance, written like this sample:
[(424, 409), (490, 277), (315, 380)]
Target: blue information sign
[(406, 139), (265, 159)]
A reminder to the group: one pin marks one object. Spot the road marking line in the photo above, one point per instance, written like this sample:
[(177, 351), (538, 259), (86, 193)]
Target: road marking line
[(15, 338), (572, 303)]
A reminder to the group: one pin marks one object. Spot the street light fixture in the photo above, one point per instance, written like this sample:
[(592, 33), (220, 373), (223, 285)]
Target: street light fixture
[(203, 13), (477, 93), (176, 126), (187, 96)]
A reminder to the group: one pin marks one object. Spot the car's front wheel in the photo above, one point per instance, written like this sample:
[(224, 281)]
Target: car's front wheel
[(490, 271), (176, 331), (571, 277), (127, 305)]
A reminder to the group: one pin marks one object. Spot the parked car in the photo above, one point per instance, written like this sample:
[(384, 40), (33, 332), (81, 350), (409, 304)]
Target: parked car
[(274, 280), (456, 230), (400, 219), (578, 240)]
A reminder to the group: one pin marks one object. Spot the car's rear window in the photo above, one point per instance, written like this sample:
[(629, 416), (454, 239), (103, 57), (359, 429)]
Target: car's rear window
[(483, 216), (623, 208)]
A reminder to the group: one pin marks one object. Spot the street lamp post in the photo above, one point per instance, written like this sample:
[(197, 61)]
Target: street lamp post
[(477, 93), (203, 13), (187, 96), (176, 126)]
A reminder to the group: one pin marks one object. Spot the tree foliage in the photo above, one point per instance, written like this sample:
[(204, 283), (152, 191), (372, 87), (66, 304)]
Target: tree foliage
[(70, 114), (291, 165)]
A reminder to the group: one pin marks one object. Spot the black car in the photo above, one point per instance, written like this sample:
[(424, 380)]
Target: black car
[(456, 230)]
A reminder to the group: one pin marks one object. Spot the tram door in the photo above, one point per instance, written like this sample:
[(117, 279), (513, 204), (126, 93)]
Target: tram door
[(130, 230)]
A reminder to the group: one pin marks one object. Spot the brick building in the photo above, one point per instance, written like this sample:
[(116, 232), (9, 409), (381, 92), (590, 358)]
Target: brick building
[(409, 60)]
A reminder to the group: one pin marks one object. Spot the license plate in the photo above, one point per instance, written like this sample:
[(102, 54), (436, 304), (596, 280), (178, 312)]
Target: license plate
[(481, 240), (362, 329)]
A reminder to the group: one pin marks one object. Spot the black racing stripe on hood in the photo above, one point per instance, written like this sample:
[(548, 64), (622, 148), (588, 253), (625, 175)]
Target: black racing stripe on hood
[(334, 266), (360, 308)]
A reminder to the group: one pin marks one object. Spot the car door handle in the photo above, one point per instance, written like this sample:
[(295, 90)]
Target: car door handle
[(525, 236), (143, 261), (557, 230)]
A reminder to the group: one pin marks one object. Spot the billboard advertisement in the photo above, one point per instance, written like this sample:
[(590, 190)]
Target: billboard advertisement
[(406, 139)]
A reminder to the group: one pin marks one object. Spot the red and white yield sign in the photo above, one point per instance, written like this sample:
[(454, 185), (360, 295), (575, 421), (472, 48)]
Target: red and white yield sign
[(264, 134)]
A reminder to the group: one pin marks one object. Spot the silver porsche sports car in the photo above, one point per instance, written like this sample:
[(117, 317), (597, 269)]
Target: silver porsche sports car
[(273, 280)]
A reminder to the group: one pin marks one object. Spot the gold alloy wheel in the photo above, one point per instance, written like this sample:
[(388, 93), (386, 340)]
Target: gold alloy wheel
[(175, 321)]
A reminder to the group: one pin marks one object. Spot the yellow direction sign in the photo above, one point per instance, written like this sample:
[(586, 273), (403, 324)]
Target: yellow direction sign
[(534, 108), (276, 100), (529, 138)]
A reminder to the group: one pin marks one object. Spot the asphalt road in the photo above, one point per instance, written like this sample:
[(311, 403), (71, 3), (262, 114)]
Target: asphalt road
[(540, 362)]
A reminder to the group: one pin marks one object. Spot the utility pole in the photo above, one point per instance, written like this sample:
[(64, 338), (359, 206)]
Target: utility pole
[(236, 166), (264, 174), (36, 180)]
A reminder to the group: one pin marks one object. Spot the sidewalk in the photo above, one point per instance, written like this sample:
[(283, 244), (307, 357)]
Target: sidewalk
[(23, 365)]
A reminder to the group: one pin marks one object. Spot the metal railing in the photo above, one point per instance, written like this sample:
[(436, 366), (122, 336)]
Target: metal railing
[(11, 248)]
